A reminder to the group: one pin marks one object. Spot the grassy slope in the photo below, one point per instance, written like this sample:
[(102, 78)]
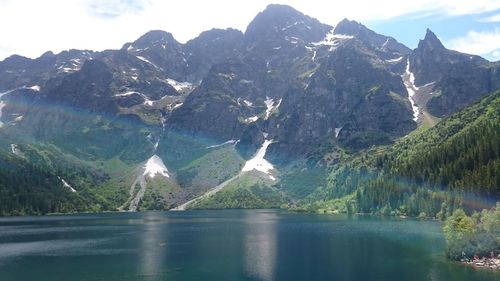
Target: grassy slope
[(250, 190)]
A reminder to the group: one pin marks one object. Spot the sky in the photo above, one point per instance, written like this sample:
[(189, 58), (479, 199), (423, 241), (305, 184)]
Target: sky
[(32, 27)]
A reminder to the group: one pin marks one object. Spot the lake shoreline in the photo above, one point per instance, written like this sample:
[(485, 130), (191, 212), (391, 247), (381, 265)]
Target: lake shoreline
[(484, 263)]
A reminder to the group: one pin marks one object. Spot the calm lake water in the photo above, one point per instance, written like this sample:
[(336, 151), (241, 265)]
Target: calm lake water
[(224, 245)]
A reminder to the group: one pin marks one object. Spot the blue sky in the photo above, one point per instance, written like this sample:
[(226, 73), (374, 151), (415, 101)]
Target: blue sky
[(463, 32), (31, 27)]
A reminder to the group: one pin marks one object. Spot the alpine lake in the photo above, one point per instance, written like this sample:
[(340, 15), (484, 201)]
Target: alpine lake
[(225, 245)]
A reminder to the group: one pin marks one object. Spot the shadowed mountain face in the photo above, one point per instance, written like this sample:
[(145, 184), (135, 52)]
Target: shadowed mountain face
[(206, 106), (458, 79)]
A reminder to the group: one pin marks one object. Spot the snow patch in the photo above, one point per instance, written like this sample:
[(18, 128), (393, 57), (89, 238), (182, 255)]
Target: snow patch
[(147, 101), (229, 76), (248, 103), (251, 119), (155, 166), (394, 60), (66, 184), (292, 39), (271, 107), (2, 105), (258, 162), (15, 150), (409, 83), (342, 36), (222, 144), (292, 25), (67, 69), (337, 131), (180, 86), (177, 105), (35, 88), (330, 37), (129, 93), (147, 61), (428, 84), (385, 43)]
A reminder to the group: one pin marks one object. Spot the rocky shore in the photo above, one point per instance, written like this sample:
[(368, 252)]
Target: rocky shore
[(493, 263)]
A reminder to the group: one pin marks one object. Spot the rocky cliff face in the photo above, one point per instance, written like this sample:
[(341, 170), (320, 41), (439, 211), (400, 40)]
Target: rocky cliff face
[(457, 79), (209, 48), (349, 99)]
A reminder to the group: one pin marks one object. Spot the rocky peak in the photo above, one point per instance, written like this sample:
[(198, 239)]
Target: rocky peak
[(159, 51), (209, 48), (430, 42), (15, 61), (280, 14), (96, 68), (349, 27), (368, 36), (284, 21), (152, 38), (46, 55), (216, 34)]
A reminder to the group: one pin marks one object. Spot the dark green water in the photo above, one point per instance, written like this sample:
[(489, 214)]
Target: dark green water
[(224, 245)]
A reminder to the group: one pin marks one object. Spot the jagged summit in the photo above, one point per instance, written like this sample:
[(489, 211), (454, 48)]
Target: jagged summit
[(347, 26), (274, 16), (431, 41), (152, 37), (216, 33), (280, 8), (47, 54), (281, 20), (364, 34), (16, 60)]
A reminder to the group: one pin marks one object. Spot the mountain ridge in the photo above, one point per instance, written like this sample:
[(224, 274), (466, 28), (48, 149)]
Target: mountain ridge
[(309, 92)]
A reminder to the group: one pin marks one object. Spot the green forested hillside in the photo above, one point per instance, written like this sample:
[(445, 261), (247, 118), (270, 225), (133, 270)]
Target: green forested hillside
[(428, 173), (31, 182)]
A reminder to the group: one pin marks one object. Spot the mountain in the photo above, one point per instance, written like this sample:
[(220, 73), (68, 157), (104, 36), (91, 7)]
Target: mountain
[(429, 173), (210, 48), (453, 80), (261, 118), (19, 71), (377, 41)]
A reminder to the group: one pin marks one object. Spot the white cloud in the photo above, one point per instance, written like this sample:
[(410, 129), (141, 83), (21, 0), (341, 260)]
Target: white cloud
[(494, 18), (31, 27), (115, 8), (486, 43), (454, 7)]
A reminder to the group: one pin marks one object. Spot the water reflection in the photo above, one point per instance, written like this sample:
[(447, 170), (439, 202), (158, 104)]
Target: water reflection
[(229, 245), (260, 244), (153, 244)]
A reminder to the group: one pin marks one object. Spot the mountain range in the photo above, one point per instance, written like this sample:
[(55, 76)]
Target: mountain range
[(261, 119)]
